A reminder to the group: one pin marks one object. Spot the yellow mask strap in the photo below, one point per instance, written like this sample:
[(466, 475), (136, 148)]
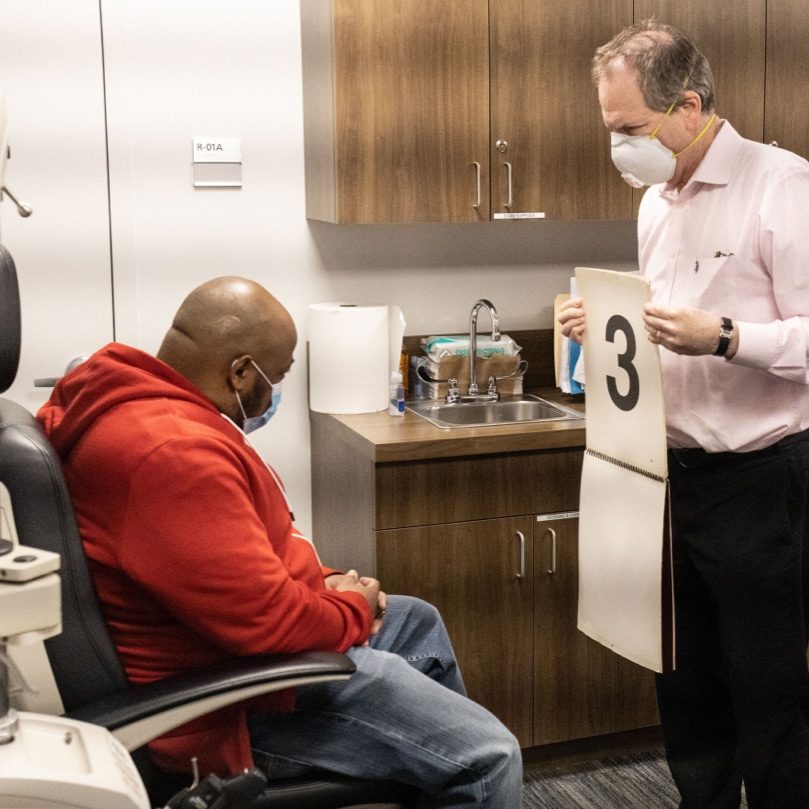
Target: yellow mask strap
[(654, 132), (704, 130)]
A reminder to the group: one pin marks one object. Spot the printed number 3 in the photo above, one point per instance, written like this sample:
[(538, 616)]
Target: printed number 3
[(624, 401)]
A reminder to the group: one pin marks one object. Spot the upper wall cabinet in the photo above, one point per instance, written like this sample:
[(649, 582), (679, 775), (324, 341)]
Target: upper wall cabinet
[(468, 110), (786, 111), (396, 110), (458, 111), (550, 154)]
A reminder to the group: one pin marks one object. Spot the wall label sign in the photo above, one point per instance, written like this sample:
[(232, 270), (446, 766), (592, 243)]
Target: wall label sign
[(520, 215), (217, 162), (217, 150)]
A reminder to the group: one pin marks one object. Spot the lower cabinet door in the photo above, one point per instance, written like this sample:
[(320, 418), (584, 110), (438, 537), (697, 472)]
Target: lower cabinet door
[(581, 688), (479, 575)]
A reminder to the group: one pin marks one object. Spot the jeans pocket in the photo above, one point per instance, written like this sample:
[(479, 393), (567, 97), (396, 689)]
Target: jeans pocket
[(277, 767)]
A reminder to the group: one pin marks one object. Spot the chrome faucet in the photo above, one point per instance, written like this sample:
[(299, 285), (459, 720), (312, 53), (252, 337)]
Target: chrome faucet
[(473, 343)]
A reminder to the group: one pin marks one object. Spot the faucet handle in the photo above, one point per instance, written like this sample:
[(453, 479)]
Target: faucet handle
[(517, 373), (453, 390)]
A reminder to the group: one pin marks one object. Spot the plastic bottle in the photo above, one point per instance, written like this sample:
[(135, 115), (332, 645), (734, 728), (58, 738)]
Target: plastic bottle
[(404, 367), (397, 397)]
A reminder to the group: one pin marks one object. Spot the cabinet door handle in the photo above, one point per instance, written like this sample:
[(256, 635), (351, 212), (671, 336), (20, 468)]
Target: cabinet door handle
[(510, 187), (521, 537), (552, 569), (476, 206)]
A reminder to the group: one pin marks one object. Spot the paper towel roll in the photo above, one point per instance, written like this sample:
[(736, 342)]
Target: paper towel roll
[(351, 349)]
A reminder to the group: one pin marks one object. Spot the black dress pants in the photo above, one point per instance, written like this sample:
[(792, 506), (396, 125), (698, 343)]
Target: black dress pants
[(737, 705)]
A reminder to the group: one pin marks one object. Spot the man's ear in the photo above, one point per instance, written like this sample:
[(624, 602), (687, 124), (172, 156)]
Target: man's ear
[(238, 373), (692, 103)]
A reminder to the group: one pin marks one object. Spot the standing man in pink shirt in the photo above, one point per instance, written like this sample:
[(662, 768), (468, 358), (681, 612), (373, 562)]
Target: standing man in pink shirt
[(723, 237)]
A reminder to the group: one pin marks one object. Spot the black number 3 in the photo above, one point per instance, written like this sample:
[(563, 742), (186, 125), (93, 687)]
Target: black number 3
[(628, 400)]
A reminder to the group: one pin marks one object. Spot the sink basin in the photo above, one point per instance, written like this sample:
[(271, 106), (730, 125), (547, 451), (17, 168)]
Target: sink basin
[(507, 410)]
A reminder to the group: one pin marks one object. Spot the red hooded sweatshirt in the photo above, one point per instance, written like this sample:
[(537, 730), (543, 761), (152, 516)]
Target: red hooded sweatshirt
[(189, 540)]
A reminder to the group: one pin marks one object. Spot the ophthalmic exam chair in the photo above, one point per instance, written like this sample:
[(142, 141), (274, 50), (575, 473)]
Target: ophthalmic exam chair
[(88, 674)]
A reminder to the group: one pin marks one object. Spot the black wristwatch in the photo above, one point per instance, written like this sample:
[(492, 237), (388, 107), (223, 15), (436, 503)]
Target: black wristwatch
[(725, 333)]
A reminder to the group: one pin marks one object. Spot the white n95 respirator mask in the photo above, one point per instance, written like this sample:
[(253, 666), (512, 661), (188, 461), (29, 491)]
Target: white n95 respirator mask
[(641, 159)]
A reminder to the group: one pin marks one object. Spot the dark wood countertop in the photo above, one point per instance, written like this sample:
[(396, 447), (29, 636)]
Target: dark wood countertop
[(386, 439)]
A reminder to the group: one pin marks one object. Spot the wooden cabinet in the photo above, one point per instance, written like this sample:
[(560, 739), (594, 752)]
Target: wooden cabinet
[(457, 111), (507, 589), (475, 109), (546, 129), (581, 688), (396, 110), (491, 540), (786, 113), (471, 571)]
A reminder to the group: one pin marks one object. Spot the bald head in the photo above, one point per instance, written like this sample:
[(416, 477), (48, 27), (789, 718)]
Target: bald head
[(219, 328)]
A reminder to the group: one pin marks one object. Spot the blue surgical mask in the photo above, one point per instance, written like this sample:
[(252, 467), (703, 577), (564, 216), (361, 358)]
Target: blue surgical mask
[(252, 423)]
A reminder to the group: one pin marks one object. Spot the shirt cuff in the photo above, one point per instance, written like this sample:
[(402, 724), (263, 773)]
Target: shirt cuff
[(778, 347)]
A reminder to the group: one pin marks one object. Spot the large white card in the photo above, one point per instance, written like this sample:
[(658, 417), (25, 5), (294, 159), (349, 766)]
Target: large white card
[(625, 592), (625, 415), (621, 562)]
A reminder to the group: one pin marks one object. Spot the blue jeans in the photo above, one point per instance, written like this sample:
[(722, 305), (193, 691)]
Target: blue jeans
[(403, 716)]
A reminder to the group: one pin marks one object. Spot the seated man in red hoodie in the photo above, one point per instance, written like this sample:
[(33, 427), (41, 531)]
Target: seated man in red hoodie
[(195, 558)]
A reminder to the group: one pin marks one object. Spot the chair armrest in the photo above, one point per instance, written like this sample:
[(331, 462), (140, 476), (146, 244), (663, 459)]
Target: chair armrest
[(144, 712)]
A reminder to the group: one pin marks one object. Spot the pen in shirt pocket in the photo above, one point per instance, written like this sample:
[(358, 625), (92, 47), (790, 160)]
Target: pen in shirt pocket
[(717, 254)]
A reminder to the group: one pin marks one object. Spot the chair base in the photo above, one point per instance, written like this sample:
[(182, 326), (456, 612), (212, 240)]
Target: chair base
[(316, 790)]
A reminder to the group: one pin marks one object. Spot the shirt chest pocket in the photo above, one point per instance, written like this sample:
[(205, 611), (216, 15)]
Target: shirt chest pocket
[(705, 282)]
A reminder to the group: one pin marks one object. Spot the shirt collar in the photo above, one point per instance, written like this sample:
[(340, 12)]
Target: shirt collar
[(716, 166)]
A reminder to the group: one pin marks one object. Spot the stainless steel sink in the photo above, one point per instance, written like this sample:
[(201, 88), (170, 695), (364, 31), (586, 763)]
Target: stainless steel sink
[(507, 410)]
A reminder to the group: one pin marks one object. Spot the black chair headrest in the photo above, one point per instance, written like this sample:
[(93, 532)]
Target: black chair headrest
[(10, 327)]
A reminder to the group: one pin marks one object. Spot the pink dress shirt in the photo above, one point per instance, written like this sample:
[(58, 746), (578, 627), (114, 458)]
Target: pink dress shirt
[(735, 241)]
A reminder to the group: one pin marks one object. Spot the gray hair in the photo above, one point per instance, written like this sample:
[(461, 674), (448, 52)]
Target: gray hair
[(667, 63)]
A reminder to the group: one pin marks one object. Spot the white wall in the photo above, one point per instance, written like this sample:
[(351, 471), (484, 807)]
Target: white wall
[(203, 68), (51, 76)]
